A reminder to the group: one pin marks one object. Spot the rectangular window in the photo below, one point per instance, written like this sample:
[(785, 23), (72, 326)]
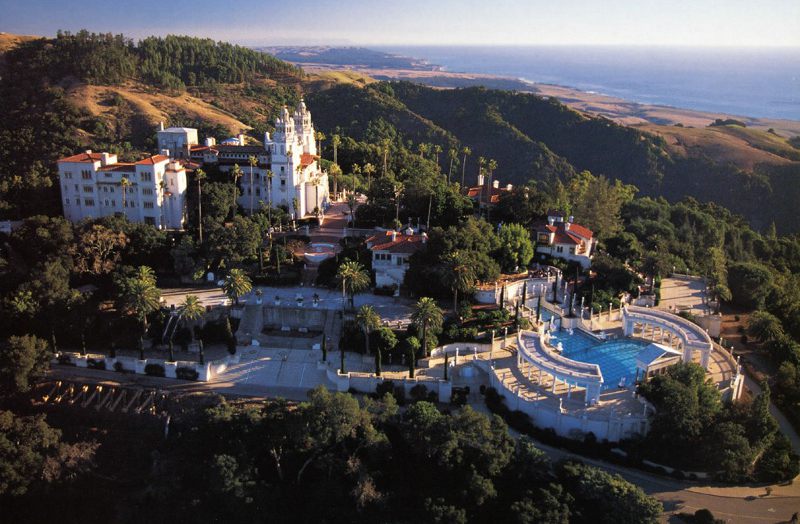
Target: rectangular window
[(76, 187), (113, 203), (68, 175), (147, 205), (572, 250), (88, 202), (560, 249), (88, 189), (66, 201), (147, 191), (283, 182), (146, 177), (86, 175), (150, 221)]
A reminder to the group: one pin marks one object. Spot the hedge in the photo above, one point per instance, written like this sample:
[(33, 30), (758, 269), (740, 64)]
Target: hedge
[(186, 373), (155, 370)]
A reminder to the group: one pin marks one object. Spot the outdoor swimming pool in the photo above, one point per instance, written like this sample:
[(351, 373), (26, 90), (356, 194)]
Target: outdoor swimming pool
[(616, 358)]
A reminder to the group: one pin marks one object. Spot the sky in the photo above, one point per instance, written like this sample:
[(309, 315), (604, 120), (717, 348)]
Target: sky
[(750, 23)]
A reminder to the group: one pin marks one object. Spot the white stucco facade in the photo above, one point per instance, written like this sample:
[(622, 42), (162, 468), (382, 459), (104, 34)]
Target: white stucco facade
[(155, 192)]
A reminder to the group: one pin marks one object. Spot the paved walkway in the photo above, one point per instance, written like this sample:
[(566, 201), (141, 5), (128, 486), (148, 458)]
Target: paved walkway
[(684, 294)]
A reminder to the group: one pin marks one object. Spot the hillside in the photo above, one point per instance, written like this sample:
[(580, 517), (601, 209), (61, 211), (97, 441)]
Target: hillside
[(106, 92)]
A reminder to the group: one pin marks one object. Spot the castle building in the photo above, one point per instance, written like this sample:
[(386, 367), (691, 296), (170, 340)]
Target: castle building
[(286, 173), (287, 165), (391, 252), (562, 238), (154, 191)]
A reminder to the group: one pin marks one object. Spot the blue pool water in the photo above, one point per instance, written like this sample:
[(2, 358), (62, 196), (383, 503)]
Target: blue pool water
[(616, 358)]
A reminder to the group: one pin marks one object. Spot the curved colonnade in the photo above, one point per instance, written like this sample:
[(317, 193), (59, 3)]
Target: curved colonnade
[(668, 329), (538, 356)]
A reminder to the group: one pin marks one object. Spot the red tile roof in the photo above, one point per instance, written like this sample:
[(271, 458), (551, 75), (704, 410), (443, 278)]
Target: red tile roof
[(580, 230), (401, 244), (119, 166), (574, 235), (152, 160), (83, 157), (307, 159), (476, 192)]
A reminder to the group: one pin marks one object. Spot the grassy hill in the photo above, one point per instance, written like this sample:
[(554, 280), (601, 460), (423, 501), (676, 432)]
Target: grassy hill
[(743, 147), (107, 92)]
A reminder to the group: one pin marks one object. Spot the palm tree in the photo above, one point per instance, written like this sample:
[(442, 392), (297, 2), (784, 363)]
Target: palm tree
[(425, 317), (437, 150), (269, 195), (368, 169), (423, 149), (163, 187), (253, 161), (491, 167), (236, 174), (466, 152), (385, 148), (452, 154), (461, 275), (316, 182), (140, 297), (201, 175), (191, 309), (764, 326), (335, 141), (236, 284), (295, 209), (320, 136), (125, 184), (368, 320), (354, 278)]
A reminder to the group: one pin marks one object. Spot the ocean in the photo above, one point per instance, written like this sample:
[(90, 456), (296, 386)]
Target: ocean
[(743, 82)]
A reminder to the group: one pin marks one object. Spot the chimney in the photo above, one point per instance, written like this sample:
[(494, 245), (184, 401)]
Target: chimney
[(88, 151), (481, 180), (571, 219), (105, 159), (424, 238), (550, 220), (210, 141), (241, 139), (165, 152), (566, 226), (161, 125), (496, 184), (394, 235), (508, 187)]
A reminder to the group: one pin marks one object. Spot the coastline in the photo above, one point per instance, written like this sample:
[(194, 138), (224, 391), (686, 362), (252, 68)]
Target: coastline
[(625, 112)]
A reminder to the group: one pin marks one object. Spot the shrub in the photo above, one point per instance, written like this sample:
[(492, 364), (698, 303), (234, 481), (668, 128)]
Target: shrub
[(65, 359), (386, 291), (419, 392), (118, 367), (185, 373), (459, 396), (96, 363), (154, 370), (386, 386)]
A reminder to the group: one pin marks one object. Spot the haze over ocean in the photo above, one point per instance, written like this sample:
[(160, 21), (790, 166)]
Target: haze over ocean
[(751, 82)]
